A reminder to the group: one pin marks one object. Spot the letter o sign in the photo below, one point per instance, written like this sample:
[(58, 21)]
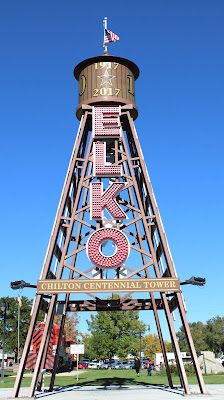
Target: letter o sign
[(94, 248)]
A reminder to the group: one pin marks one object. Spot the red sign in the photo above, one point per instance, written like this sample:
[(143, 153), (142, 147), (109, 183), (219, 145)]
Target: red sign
[(106, 124)]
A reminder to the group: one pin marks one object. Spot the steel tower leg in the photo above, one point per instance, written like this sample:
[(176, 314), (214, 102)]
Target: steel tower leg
[(170, 266), (46, 270)]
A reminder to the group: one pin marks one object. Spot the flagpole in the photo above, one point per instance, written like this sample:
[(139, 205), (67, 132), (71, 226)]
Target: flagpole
[(18, 325), (104, 28), (18, 333)]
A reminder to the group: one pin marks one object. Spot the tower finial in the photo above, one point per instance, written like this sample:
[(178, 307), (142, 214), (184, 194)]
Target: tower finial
[(109, 36), (104, 34)]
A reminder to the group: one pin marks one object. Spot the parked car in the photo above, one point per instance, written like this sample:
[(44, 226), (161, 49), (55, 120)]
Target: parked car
[(82, 365), (221, 360), (125, 365), (85, 361), (116, 365), (121, 365), (93, 365), (104, 365)]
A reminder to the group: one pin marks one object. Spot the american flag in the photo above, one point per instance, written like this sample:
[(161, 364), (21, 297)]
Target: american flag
[(110, 36)]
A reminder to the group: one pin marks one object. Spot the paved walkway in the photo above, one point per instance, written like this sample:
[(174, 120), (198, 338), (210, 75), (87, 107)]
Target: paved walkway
[(152, 392)]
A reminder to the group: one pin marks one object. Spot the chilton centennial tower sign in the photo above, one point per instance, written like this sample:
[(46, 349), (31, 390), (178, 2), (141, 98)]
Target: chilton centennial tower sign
[(108, 236), (106, 285)]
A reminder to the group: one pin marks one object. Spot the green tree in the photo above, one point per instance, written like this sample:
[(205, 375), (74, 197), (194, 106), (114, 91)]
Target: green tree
[(199, 335), (12, 322), (89, 350), (71, 326), (151, 345), (114, 333), (215, 335)]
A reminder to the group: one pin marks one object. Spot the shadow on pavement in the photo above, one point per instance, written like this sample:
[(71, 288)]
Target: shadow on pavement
[(114, 383)]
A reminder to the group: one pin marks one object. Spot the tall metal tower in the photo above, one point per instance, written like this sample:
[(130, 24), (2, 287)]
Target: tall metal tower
[(108, 236)]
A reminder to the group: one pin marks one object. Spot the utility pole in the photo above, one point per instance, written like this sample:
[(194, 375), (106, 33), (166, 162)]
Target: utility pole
[(5, 311)]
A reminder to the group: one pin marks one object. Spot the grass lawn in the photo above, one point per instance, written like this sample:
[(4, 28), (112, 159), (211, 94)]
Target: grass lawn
[(114, 377)]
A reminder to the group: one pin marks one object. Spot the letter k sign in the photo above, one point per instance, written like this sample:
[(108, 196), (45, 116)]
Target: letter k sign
[(101, 200)]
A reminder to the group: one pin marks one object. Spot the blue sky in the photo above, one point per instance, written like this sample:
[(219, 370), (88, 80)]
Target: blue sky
[(179, 48)]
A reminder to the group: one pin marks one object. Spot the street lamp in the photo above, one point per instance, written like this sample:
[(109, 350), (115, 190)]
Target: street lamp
[(15, 286), (140, 345), (21, 285), (5, 312), (142, 331), (194, 280)]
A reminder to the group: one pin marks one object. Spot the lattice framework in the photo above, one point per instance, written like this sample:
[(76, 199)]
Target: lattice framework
[(66, 253)]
